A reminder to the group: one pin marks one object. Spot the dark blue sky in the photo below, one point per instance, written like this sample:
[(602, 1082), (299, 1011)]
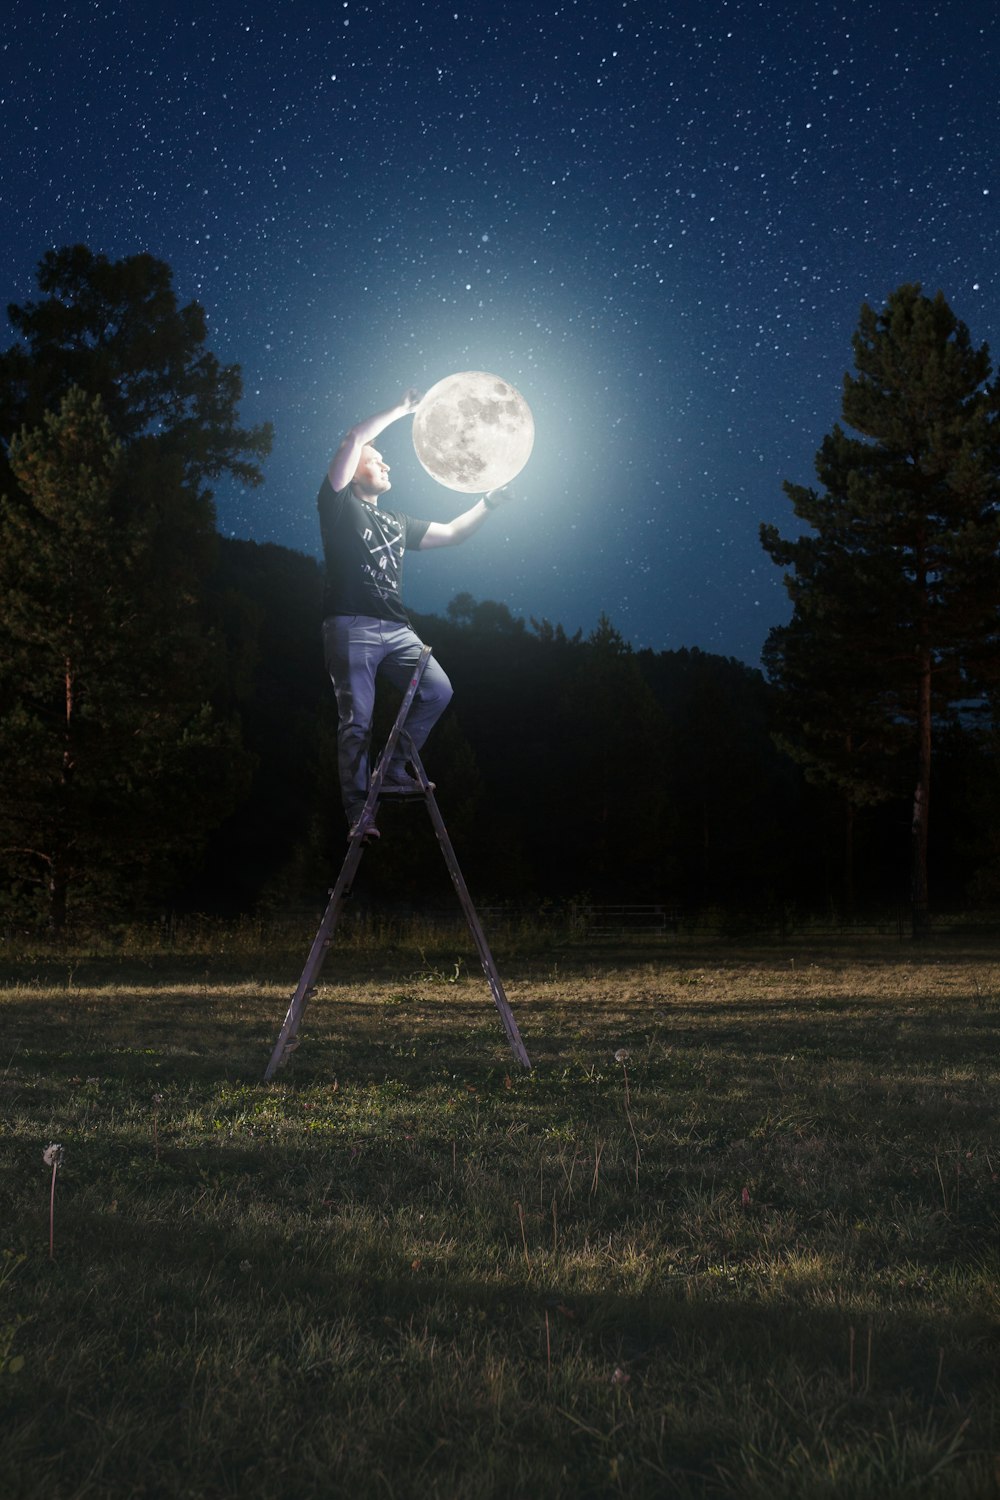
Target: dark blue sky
[(659, 220)]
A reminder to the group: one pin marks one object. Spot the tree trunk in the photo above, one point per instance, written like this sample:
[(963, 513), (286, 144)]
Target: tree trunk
[(921, 802), (60, 870), (849, 897), (58, 890)]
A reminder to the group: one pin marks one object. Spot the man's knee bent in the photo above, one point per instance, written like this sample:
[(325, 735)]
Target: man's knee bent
[(434, 698), (435, 690)]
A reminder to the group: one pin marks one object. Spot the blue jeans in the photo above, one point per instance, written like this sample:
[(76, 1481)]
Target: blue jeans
[(356, 647)]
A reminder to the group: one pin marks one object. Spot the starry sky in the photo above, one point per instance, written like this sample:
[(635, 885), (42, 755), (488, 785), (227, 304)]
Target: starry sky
[(657, 218)]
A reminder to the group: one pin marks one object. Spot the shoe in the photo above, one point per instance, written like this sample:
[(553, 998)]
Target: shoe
[(369, 833), (404, 786)]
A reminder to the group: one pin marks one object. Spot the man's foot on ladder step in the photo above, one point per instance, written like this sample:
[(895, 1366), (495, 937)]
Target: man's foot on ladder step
[(402, 785), (365, 827)]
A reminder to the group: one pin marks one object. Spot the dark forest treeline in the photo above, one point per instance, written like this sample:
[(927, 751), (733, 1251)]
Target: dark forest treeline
[(566, 767)]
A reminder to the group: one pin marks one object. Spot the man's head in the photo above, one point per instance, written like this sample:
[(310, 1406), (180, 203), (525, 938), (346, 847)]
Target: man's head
[(371, 477)]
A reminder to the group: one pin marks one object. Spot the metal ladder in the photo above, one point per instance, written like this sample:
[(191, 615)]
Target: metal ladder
[(288, 1037)]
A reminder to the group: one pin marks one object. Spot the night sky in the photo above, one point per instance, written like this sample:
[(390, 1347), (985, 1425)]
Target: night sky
[(658, 220)]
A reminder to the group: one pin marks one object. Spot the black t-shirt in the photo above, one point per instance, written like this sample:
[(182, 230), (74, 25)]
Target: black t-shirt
[(363, 547)]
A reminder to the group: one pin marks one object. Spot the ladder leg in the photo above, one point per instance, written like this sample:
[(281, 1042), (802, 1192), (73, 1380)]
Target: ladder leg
[(482, 947), (288, 1037)]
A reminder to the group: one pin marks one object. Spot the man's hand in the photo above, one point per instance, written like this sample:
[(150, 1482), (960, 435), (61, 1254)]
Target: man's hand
[(493, 499), (344, 463), (447, 534)]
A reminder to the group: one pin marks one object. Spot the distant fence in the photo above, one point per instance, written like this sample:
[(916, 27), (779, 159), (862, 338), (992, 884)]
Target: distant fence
[(670, 921), (627, 919), (665, 921), (674, 920)]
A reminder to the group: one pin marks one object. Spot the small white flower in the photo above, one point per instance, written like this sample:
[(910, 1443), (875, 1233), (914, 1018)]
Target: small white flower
[(622, 1055), (53, 1155)]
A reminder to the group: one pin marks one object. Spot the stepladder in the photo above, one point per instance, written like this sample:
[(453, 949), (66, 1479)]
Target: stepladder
[(289, 1036)]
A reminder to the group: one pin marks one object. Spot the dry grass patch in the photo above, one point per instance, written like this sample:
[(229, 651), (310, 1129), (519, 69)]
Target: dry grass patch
[(736, 1234)]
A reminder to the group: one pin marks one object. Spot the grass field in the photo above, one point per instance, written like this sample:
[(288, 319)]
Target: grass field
[(736, 1234)]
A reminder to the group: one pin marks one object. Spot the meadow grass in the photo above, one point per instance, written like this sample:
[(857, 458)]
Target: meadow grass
[(734, 1235)]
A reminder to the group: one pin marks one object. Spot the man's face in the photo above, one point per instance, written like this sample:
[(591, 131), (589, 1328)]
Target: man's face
[(371, 477)]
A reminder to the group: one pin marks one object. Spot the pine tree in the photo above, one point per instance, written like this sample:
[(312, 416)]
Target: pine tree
[(896, 594), (114, 329), (828, 710), (114, 761)]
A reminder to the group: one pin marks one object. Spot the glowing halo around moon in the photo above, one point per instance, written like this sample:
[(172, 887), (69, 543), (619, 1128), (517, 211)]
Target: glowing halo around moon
[(473, 432)]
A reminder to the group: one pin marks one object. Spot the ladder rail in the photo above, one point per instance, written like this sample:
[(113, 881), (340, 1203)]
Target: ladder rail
[(288, 1037), (472, 917)]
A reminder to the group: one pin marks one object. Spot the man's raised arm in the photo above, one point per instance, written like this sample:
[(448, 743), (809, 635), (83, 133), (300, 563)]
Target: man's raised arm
[(345, 460)]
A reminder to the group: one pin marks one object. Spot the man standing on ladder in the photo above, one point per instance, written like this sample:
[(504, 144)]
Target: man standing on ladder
[(365, 627)]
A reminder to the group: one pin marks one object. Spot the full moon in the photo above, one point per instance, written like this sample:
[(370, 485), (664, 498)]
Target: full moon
[(473, 432)]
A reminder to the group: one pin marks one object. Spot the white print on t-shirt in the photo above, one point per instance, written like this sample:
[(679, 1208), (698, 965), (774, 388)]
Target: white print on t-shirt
[(386, 555)]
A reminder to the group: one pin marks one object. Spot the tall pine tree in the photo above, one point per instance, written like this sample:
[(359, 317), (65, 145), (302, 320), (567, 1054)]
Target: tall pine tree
[(112, 763), (896, 591), (114, 418), (114, 329)]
